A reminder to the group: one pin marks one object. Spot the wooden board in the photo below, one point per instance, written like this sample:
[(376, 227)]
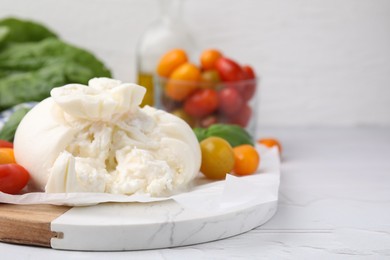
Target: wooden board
[(125, 226), (29, 224)]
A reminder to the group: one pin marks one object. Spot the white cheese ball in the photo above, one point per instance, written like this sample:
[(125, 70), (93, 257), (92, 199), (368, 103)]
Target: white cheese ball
[(96, 138)]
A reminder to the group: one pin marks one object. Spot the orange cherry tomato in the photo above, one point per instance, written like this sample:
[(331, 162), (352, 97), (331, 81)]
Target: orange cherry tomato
[(246, 159), (7, 155), (13, 178), (182, 82), (170, 61), (209, 57), (271, 142)]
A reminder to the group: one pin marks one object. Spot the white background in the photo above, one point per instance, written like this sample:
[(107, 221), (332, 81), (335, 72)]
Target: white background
[(322, 63)]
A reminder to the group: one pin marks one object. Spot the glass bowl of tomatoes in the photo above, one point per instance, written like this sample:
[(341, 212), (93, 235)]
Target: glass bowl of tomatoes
[(219, 90)]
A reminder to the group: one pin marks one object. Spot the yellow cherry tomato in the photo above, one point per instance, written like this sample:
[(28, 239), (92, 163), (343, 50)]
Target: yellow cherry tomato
[(210, 79), (217, 158)]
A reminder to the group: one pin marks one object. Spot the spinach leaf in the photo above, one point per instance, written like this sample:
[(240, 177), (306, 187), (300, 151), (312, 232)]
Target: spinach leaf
[(16, 30), (7, 132), (34, 61)]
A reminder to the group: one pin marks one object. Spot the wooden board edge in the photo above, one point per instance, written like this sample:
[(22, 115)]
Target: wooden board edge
[(29, 224)]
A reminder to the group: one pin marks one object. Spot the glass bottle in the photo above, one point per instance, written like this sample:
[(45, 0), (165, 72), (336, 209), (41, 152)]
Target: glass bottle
[(166, 33)]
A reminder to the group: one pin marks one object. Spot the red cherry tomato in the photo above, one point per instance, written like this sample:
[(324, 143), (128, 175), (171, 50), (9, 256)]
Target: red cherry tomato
[(242, 118), (13, 178), (246, 87), (5, 144), (201, 103), (250, 86), (249, 72), (230, 101), (229, 70)]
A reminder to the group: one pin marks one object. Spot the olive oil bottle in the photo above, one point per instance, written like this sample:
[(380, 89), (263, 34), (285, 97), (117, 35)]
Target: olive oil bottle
[(164, 34)]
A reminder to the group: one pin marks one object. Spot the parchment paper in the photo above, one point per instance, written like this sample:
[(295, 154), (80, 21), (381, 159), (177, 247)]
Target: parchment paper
[(261, 187)]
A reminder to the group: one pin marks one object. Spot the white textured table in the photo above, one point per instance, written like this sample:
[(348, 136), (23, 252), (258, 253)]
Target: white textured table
[(334, 203)]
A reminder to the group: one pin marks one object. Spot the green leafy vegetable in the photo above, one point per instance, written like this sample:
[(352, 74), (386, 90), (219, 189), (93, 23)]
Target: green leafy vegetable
[(7, 132), (31, 70), (201, 133), (33, 61), (15, 30), (234, 134)]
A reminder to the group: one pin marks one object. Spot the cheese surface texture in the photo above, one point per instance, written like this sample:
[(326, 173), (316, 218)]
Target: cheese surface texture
[(96, 138)]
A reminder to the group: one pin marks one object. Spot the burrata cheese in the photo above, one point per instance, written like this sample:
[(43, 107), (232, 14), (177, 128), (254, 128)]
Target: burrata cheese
[(96, 138)]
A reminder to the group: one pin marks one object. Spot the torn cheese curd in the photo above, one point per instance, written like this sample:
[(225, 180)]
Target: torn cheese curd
[(96, 138)]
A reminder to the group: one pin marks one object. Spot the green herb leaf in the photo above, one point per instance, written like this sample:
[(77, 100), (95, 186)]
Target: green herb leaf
[(7, 132)]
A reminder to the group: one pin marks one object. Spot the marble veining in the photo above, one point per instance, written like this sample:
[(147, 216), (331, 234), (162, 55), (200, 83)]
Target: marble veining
[(153, 225)]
